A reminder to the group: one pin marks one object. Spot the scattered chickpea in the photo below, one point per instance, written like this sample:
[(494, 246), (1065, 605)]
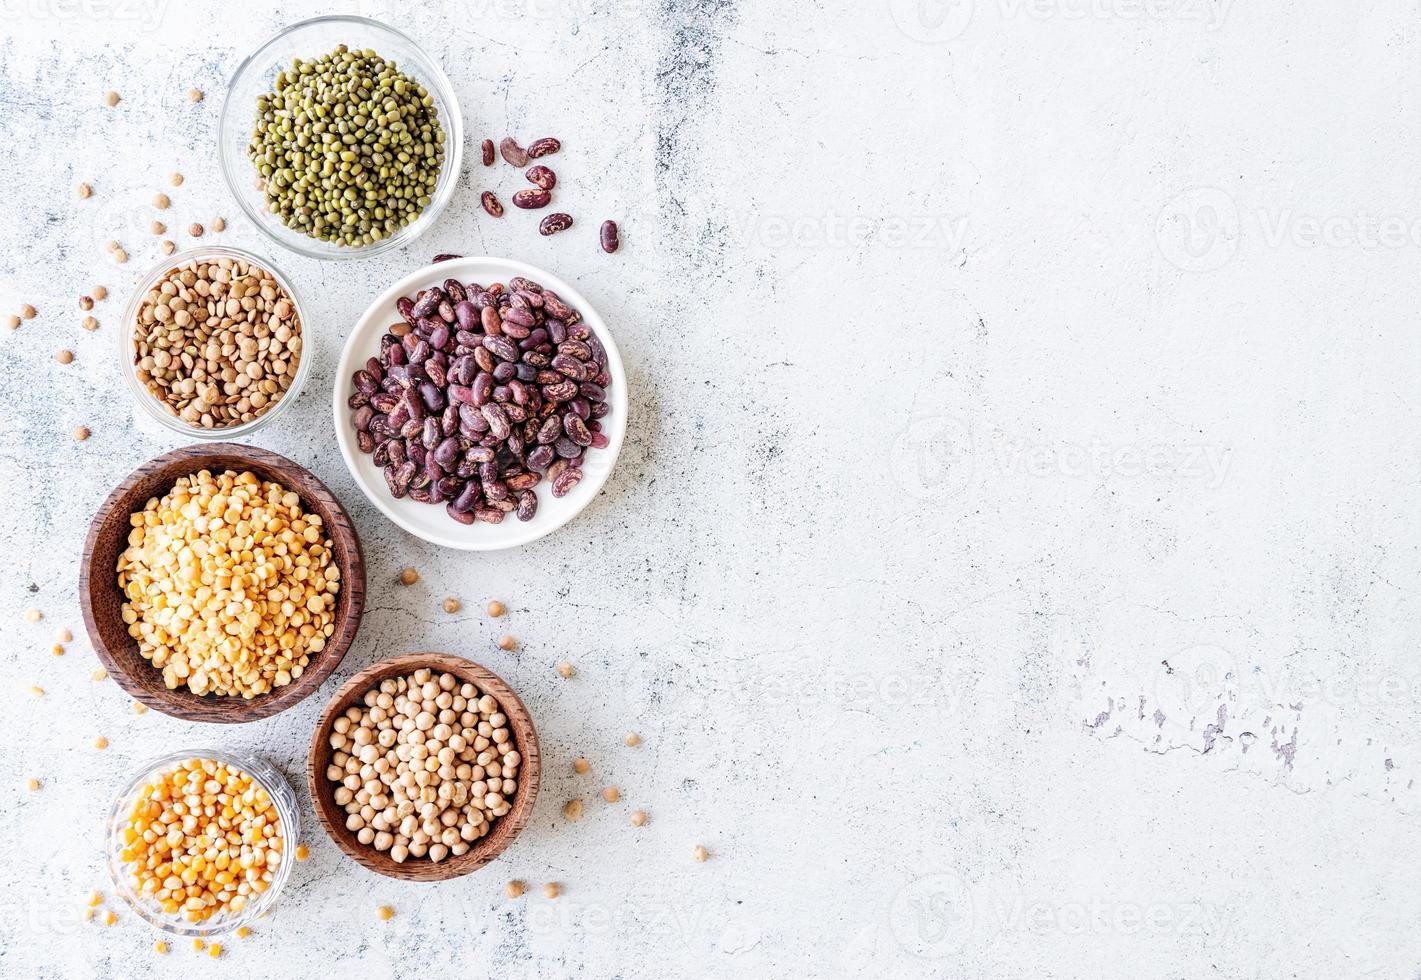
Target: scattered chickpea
[(581, 766), (215, 950), (28, 312), (176, 180), (81, 433), (86, 303), (111, 246), (139, 708), (36, 690), (111, 99), (386, 913), (552, 890), (219, 224), (168, 247), (700, 853), (195, 95), (243, 932), (62, 635), (572, 810), (302, 852), (157, 227), (110, 918), (65, 357), (496, 609), (195, 230), (515, 888), (565, 669), (33, 615), (409, 576), (99, 674), (57, 649), (101, 743), (89, 323), (160, 201), (452, 605), (198, 945), (13, 322), (506, 642), (101, 292), (160, 947), (638, 818), (120, 256), (611, 794), (632, 739), (85, 190), (95, 898), (32, 784)]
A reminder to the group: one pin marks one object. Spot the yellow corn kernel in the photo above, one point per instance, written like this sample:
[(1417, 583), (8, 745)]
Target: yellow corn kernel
[(110, 918), (243, 932), (215, 950), (160, 947)]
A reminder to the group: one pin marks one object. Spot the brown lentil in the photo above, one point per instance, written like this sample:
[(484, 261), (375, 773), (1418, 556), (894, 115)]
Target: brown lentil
[(111, 99), (217, 342), (81, 433), (195, 230), (86, 303)]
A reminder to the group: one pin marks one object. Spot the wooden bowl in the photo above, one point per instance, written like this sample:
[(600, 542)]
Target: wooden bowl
[(505, 828), (101, 601)]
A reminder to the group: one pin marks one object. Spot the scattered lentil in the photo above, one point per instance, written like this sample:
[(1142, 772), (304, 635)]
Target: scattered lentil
[(506, 643), (638, 818), (167, 247), (57, 650), (195, 230), (243, 932), (452, 605), (565, 669), (215, 950), (80, 433), (160, 201), (120, 256), (700, 853), (632, 739), (552, 890), (611, 794), (85, 190), (64, 356), (139, 708), (302, 852), (409, 576), (581, 766), (244, 533), (62, 635), (36, 690), (99, 674), (86, 303), (176, 180), (111, 99), (515, 888), (13, 322), (110, 918), (160, 947)]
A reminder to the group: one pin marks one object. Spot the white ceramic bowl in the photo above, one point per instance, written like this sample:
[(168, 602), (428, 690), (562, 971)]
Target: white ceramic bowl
[(429, 521)]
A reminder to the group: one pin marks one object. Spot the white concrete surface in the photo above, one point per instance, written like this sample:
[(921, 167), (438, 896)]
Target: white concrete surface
[(1013, 566)]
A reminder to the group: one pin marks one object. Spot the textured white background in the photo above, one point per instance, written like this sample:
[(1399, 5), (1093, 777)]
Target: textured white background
[(1013, 562)]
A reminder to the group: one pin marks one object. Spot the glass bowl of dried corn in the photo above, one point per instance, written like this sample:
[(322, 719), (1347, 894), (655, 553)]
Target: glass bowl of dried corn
[(201, 841)]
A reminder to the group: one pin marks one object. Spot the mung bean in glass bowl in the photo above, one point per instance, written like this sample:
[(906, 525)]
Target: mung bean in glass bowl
[(266, 791), (256, 79)]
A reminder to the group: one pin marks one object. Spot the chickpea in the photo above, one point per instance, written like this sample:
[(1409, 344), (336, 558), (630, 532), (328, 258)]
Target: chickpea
[(515, 888), (452, 605), (506, 642), (572, 810), (496, 608), (552, 890), (409, 576), (581, 766), (611, 794), (700, 853), (638, 818), (565, 669)]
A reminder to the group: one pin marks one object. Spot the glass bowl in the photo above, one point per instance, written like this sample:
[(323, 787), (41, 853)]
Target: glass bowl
[(276, 787), (149, 402), (311, 39)]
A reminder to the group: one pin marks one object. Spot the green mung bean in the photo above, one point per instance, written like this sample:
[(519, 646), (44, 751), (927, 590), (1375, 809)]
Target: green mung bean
[(348, 148)]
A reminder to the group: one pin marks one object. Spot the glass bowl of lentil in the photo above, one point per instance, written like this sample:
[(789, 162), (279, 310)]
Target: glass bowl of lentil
[(309, 40), (264, 779), (150, 403)]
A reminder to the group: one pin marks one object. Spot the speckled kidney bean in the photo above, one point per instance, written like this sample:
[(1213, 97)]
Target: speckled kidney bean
[(554, 223), (542, 147), (512, 152), (491, 204), (479, 395), (610, 238), (541, 176), (531, 198), (487, 148)]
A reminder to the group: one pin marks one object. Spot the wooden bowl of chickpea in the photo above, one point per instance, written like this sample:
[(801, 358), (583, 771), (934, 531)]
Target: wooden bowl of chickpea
[(221, 583), (424, 767)]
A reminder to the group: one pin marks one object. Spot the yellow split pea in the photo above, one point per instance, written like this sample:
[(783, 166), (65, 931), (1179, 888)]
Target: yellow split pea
[(231, 586), (202, 838)]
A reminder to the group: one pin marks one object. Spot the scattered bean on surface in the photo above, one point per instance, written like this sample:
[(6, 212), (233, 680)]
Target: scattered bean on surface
[(491, 204), (89, 323), (64, 356), (572, 810), (581, 766), (554, 223), (86, 303), (409, 576), (194, 95), (565, 669), (542, 147), (111, 99), (496, 608), (452, 605), (512, 152), (610, 237), (160, 201), (28, 312), (506, 642), (100, 292), (85, 190), (700, 853), (487, 149), (632, 739), (552, 890), (638, 818), (176, 179), (514, 888), (611, 794), (195, 230), (81, 433)]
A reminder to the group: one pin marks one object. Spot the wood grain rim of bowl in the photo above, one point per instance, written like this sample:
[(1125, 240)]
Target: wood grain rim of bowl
[(101, 601), (504, 829)]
